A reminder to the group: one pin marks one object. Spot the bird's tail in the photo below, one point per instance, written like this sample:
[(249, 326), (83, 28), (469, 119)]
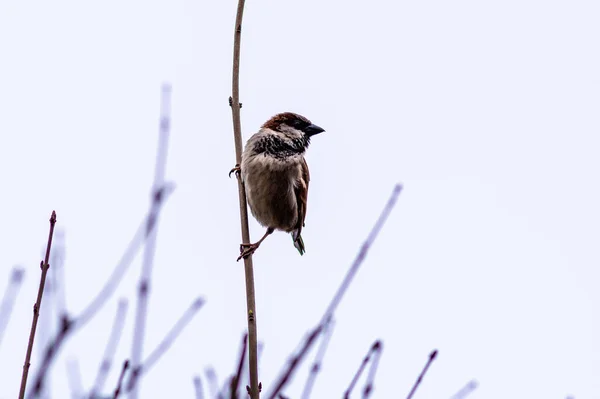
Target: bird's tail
[(298, 242)]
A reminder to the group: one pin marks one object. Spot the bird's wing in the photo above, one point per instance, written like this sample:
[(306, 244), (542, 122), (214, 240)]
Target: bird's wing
[(302, 193)]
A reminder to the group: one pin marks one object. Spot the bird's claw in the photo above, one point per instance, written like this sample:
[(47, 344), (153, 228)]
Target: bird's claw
[(246, 250), (236, 169)]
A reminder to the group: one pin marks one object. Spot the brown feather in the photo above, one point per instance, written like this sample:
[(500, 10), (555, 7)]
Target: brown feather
[(301, 191)]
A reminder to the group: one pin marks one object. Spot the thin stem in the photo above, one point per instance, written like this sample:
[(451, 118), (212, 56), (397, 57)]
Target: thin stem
[(37, 306), (235, 382), (74, 379), (466, 390), (374, 352), (198, 387), (234, 102), (149, 249), (9, 298), (318, 363), (121, 378), (111, 348), (432, 356), (337, 298)]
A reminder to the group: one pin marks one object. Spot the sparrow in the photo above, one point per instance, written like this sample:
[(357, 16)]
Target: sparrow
[(276, 176)]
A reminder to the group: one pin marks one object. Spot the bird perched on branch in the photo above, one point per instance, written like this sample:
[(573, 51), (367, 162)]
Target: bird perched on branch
[(276, 176)]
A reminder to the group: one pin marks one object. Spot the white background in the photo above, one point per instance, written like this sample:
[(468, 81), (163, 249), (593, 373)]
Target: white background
[(487, 112)]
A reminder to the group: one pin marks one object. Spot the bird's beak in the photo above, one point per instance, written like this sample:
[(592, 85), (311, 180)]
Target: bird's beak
[(311, 130)]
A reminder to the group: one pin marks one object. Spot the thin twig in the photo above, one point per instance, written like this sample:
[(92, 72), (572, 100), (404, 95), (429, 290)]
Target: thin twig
[(57, 273), (121, 378), (235, 381), (213, 382), (368, 389), (432, 356), (70, 325), (318, 363), (234, 102), (466, 390), (198, 387), (111, 348), (289, 370), (148, 260), (164, 345), (37, 307), (374, 351), (74, 379), (9, 298)]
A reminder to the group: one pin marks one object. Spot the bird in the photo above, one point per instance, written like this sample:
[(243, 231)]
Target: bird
[(276, 176)]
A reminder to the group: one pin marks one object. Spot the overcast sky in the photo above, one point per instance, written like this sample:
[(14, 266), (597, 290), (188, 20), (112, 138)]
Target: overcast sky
[(487, 112)]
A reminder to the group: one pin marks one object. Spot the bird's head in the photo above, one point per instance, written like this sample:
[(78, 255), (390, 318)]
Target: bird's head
[(293, 126)]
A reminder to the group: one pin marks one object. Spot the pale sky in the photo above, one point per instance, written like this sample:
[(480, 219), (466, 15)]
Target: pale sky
[(487, 112)]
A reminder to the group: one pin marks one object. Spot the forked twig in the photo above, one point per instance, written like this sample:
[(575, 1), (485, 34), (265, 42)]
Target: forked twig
[(432, 356), (139, 331), (337, 298), (375, 353), (36, 307)]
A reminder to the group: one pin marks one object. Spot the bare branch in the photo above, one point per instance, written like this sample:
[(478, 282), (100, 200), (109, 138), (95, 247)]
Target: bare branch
[(234, 102), (317, 364), (149, 249), (9, 298), (121, 378), (74, 379), (375, 352), (337, 298), (164, 345), (37, 307), (235, 381), (198, 387), (432, 356), (466, 390), (111, 349), (213, 383)]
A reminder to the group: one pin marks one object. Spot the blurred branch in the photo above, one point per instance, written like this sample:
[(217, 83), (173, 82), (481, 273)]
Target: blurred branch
[(466, 390), (317, 364), (432, 356), (198, 387), (57, 273), (375, 352), (164, 345), (111, 348), (74, 379), (9, 298), (69, 325), (117, 391), (337, 298), (213, 383), (235, 381), (149, 249), (234, 102), (37, 307)]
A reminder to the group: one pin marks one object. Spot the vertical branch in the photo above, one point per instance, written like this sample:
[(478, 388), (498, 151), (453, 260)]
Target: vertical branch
[(148, 260), (234, 102), (316, 367), (36, 307), (432, 356), (198, 387)]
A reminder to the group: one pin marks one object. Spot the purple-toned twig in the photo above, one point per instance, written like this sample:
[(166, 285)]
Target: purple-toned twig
[(288, 371), (111, 349), (74, 379), (37, 307), (235, 381), (9, 298), (213, 382), (375, 352), (69, 325), (368, 389), (466, 390), (198, 387), (148, 260), (317, 364), (57, 273), (432, 356), (121, 378), (164, 345)]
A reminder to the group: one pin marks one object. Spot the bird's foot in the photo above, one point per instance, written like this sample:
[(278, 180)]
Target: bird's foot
[(237, 169), (247, 250)]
